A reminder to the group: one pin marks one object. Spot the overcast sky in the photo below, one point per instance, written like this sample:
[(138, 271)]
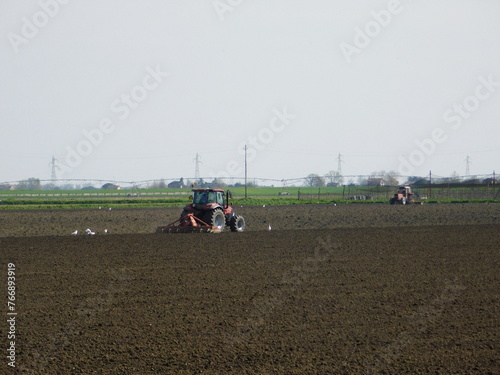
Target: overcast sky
[(132, 90)]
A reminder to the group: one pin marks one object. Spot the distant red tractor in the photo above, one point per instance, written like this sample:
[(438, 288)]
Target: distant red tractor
[(209, 212), (404, 196)]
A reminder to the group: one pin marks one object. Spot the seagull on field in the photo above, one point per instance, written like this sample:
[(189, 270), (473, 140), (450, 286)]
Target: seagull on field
[(75, 232), (269, 226), (105, 231), (89, 232)]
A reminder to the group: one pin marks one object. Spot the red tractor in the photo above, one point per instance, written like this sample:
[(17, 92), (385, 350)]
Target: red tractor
[(404, 195), (209, 212)]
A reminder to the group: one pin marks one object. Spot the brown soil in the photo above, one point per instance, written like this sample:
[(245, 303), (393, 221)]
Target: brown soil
[(325, 216), (358, 289)]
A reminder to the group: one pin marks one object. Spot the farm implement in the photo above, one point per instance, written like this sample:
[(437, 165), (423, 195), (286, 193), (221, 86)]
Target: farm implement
[(209, 212)]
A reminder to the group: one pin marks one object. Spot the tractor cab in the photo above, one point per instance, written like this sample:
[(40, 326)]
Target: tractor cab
[(207, 196), (405, 191)]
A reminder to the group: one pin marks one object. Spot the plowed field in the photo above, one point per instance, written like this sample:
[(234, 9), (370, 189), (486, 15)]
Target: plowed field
[(348, 289)]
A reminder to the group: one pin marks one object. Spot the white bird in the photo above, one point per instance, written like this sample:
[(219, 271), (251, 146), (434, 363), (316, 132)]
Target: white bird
[(105, 231), (264, 206), (75, 232), (89, 232), (269, 226), (110, 208)]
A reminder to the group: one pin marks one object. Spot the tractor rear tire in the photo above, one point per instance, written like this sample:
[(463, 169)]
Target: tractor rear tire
[(237, 224), (216, 219)]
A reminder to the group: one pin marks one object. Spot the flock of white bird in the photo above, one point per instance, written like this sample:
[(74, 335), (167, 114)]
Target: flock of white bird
[(89, 232)]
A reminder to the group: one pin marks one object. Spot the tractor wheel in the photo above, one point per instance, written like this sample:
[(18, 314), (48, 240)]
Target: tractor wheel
[(392, 201), (216, 218), (237, 224)]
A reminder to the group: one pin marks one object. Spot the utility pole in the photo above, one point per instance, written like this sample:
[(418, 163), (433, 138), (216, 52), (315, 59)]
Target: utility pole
[(339, 169), (339, 165), (54, 166), (493, 182), (246, 175), (467, 163), (430, 184), (197, 168)]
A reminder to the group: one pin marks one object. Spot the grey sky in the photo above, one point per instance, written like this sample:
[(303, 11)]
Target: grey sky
[(292, 79)]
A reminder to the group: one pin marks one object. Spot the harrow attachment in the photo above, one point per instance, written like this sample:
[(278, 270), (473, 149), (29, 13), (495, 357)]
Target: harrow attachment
[(188, 224)]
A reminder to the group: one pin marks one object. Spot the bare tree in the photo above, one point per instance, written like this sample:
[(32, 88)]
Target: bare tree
[(334, 178), (29, 184), (157, 184), (390, 178), (314, 180), (218, 183)]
